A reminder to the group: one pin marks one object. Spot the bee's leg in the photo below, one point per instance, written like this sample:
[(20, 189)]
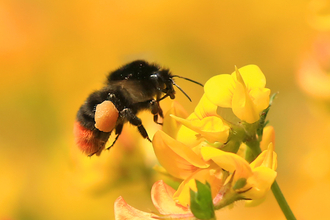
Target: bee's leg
[(119, 129), (92, 154), (156, 110), (134, 120)]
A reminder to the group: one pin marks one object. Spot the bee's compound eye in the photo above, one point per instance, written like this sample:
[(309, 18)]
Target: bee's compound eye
[(106, 116)]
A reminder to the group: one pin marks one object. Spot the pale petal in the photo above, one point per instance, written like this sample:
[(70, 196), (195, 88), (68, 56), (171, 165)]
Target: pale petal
[(162, 197), (123, 211), (219, 90)]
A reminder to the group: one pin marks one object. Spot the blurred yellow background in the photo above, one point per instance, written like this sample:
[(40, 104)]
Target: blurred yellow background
[(54, 53)]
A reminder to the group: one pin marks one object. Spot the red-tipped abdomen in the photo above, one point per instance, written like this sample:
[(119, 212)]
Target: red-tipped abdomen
[(87, 141)]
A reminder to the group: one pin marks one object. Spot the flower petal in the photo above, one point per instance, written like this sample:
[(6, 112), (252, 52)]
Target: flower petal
[(264, 174), (171, 126), (267, 137), (162, 197), (219, 90), (188, 136), (205, 108), (252, 76), (228, 161), (249, 97), (123, 211), (268, 158), (260, 97), (212, 176), (242, 105), (211, 128), (254, 202), (261, 182), (178, 159)]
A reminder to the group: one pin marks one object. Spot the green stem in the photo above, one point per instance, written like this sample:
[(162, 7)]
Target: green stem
[(253, 151), (282, 202), (250, 155)]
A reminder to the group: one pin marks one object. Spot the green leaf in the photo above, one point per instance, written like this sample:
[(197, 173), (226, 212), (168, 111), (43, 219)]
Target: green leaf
[(201, 202)]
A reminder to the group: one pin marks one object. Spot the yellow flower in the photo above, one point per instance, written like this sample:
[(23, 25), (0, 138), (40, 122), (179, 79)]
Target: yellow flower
[(185, 148), (202, 124), (244, 91), (258, 176), (214, 176), (179, 152), (208, 164), (178, 149), (264, 174)]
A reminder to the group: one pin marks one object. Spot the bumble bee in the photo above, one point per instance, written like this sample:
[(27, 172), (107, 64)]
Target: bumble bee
[(135, 86)]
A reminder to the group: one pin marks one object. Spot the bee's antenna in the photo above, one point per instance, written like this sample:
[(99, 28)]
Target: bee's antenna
[(187, 79), (181, 90)]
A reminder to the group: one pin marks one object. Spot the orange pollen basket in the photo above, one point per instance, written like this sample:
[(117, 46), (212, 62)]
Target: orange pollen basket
[(106, 116)]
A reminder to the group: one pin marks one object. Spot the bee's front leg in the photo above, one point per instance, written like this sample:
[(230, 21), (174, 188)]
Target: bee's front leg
[(156, 110)]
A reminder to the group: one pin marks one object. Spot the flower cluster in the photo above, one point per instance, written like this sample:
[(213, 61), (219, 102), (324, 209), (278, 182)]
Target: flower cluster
[(235, 159)]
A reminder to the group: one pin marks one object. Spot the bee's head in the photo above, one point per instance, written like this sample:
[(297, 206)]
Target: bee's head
[(165, 83)]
